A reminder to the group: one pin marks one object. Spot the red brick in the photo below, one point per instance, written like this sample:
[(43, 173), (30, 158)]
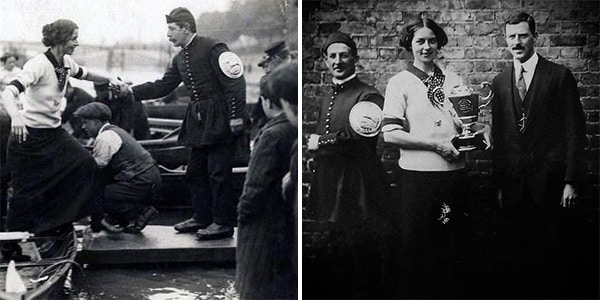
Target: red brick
[(453, 53), (569, 52), (460, 67), (482, 41), (483, 66), (590, 78), (482, 4), (328, 28), (479, 78), (388, 53), (567, 40), (357, 28), (589, 27), (551, 53), (569, 27)]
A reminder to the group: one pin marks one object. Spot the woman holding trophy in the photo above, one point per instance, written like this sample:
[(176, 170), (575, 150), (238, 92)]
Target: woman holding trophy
[(432, 213)]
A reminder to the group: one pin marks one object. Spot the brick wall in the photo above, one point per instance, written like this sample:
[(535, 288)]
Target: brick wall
[(568, 35)]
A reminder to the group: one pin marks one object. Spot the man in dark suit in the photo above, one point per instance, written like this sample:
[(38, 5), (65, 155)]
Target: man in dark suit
[(538, 129)]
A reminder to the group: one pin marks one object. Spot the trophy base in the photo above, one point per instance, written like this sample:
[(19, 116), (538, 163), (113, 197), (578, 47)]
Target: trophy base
[(471, 142)]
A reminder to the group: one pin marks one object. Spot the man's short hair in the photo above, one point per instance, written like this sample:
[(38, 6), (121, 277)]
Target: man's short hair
[(283, 83), (408, 32), (519, 17)]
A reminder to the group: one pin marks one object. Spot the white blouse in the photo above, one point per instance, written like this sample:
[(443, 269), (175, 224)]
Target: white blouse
[(44, 103), (406, 99)]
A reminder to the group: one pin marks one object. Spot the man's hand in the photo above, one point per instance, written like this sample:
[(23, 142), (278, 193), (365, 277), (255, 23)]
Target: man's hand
[(568, 197), (236, 125), (313, 142), (484, 129), (18, 129), (123, 88)]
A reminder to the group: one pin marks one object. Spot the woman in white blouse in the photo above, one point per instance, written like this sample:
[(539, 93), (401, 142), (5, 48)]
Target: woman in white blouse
[(420, 119), (52, 174)]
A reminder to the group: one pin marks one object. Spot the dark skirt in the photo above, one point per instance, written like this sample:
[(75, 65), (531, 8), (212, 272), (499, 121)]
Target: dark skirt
[(434, 233), (52, 178)]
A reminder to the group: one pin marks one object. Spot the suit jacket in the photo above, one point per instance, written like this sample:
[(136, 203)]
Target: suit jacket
[(547, 152)]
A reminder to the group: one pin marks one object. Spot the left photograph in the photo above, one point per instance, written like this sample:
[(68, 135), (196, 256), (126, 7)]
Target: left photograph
[(148, 149)]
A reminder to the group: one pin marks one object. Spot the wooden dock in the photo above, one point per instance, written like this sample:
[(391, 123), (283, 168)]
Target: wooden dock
[(155, 244)]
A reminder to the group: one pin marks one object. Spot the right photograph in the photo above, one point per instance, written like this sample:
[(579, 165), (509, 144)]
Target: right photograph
[(450, 149)]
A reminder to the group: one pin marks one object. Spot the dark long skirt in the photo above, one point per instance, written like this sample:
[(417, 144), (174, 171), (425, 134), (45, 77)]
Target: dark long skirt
[(52, 177), (434, 234)]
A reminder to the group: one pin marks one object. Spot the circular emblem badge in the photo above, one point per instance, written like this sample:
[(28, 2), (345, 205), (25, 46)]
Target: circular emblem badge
[(231, 65), (366, 118)]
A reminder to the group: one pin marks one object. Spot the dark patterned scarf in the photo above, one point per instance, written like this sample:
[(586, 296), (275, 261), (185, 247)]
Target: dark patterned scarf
[(60, 71), (434, 84)]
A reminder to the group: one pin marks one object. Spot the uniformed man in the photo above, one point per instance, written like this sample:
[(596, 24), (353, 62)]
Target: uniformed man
[(276, 54), (215, 118)]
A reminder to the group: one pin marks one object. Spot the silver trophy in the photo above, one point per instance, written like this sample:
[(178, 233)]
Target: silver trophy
[(466, 105)]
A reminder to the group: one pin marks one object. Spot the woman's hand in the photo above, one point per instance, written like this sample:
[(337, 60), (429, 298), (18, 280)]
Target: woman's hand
[(447, 150), (18, 129)]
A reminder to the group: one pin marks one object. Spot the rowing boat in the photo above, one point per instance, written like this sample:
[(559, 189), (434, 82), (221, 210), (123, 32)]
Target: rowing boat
[(44, 275)]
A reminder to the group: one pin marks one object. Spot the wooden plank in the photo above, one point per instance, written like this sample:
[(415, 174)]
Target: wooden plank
[(154, 245)]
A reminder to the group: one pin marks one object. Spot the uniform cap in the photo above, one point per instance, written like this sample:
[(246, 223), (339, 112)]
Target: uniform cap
[(181, 14), (94, 110), (278, 48), (340, 37)]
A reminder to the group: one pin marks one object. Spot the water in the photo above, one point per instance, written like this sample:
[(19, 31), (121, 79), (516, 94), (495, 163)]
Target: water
[(154, 282)]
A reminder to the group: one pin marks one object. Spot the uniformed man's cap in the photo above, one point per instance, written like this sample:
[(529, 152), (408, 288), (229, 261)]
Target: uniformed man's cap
[(94, 110), (340, 37), (181, 14), (279, 48)]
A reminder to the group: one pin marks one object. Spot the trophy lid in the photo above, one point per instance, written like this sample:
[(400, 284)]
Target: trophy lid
[(460, 91)]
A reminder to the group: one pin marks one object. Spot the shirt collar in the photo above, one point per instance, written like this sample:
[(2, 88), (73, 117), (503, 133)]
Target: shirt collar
[(529, 65), (104, 127), (52, 59), (342, 81), (422, 75), (191, 40)]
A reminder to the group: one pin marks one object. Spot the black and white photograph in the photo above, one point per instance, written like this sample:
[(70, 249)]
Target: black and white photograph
[(450, 149), (148, 149)]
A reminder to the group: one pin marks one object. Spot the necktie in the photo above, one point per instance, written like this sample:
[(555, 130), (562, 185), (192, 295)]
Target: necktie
[(521, 83)]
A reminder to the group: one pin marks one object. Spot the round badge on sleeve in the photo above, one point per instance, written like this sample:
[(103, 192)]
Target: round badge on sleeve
[(366, 118), (231, 65)]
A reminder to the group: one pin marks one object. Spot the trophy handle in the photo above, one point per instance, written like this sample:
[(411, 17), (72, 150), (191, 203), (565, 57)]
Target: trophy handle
[(489, 96)]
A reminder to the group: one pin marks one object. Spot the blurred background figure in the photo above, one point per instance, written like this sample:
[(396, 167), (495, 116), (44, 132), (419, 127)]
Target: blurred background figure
[(9, 69), (276, 54)]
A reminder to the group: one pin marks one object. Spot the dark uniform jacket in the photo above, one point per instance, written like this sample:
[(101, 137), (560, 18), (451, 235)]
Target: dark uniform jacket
[(348, 173), (548, 151), (215, 97)]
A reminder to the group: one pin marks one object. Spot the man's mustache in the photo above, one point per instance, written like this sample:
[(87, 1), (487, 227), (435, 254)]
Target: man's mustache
[(518, 48)]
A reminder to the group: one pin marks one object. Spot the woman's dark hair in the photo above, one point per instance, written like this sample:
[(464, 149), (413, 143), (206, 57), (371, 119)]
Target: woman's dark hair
[(283, 82), (408, 32), (519, 17), (8, 55), (58, 32)]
